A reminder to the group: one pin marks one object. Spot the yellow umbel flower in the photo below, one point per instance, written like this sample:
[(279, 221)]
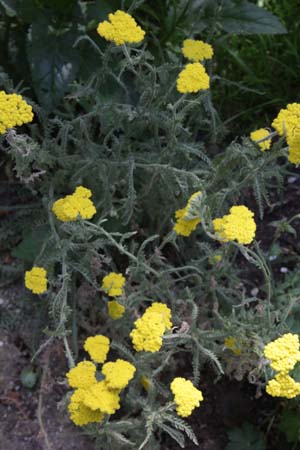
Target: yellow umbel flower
[(294, 147), (97, 347), (185, 220), (69, 208), (100, 397), (83, 375), (113, 284), (231, 343), (238, 226), (261, 134), (288, 120), (193, 78), (115, 310), (36, 280), (118, 374), (283, 386), (81, 414), (148, 332), (283, 352), (196, 50), (121, 29), (162, 309), (186, 396), (13, 111)]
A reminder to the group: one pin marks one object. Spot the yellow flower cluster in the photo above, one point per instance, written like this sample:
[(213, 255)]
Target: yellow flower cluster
[(193, 78), (92, 398), (97, 347), (118, 374), (36, 280), (239, 225), (196, 50), (13, 111), (231, 343), (70, 207), (261, 134), (115, 309), (121, 28), (149, 329), (185, 222), (284, 354), (113, 284), (288, 123), (186, 396)]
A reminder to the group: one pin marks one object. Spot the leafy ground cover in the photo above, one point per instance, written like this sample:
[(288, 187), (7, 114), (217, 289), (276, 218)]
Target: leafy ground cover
[(136, 207)]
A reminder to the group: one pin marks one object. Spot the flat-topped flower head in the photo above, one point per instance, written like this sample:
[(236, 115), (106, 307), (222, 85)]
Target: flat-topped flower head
[(259, 134), (14, 110), (162, 309), (288, 120), (148, 332), (79, 204), (193, 78), (186, 396), (36, 280), (283, 352), (294, 147), (80, 414), (118, 374), (115, 309), (97, 347), (196, 50), (283, 386), (121, 28), (238, 226), (83, 375), (100, 397), (113, 284)]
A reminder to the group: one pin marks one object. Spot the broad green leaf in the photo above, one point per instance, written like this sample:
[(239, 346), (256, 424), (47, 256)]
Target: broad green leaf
[(290, 425), (247, 18), (246, 438), (31, 245), (54, 63)]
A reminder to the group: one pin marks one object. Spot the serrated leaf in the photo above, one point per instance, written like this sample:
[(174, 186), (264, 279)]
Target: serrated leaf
[(53, 62), (247, 18), (247, 438)]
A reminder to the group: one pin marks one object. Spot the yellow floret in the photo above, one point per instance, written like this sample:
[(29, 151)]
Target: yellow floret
[(283, 386), (69, 208), (13, 111), (146, 382), (186, 396), (100, 397), (36, 280), (81, 414), (83, 375), (261, 134), (97, 347), (283, 352), (120, 29), (118, 374), (294, 147), (193, 78), (162, 309), (239, 225), (113, 284), (148, 332), (195, 50), (115, 310)]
